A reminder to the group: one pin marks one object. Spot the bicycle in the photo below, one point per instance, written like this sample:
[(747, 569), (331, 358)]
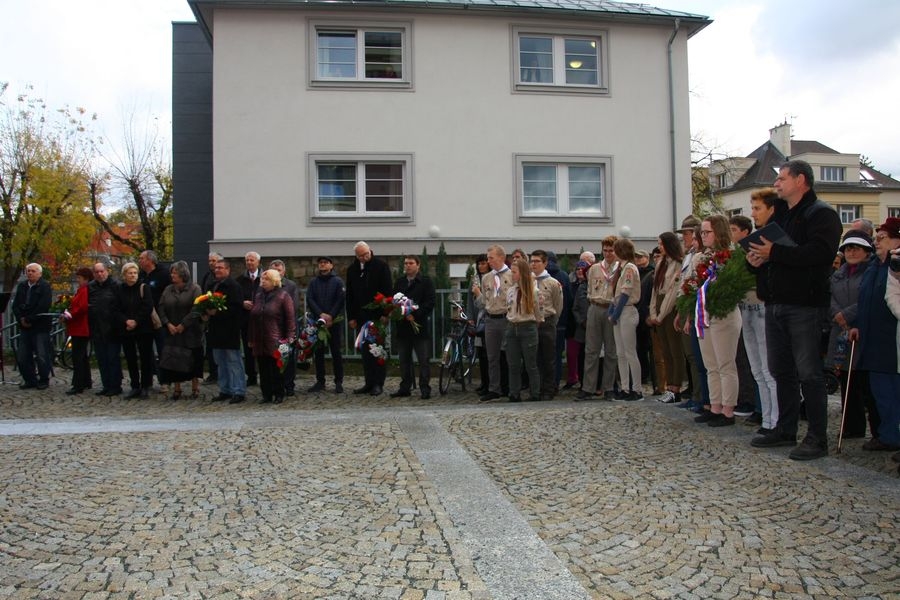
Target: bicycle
[(459, 355)]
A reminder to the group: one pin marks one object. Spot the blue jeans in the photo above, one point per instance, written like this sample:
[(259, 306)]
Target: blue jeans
[(33, 356), (232, 380), (793, 335), (109, 363)]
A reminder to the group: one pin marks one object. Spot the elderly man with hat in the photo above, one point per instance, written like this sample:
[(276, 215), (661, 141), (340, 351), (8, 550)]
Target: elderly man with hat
[(325, 299), (877, 328), (857, 249)]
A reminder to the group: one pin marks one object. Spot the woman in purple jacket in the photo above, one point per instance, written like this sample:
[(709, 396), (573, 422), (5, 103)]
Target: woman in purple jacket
[(271, 324)]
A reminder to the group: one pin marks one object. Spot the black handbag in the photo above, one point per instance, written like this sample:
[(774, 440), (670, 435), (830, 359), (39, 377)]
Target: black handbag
[(176, 358)]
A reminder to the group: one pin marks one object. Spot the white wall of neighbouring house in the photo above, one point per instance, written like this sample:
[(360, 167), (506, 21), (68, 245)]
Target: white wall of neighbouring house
[(461, 121)]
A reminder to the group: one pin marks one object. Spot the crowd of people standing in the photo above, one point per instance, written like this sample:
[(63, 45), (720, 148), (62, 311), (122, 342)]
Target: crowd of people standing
[(718, 318)]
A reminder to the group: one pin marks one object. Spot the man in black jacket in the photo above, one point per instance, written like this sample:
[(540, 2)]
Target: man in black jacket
[(367, 276), (224, 336), (249, 283), (410, 337), (799, 294), (102, 303), (325, 299), (30, 305)]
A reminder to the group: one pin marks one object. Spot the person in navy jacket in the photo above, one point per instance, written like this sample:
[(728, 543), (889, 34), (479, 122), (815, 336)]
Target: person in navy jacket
[(30, 305)]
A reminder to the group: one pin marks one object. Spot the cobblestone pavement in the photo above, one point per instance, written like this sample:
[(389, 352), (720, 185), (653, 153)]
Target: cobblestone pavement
[(344, 496)]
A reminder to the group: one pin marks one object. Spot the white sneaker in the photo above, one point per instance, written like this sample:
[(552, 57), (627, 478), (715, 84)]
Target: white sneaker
[(667, 398)]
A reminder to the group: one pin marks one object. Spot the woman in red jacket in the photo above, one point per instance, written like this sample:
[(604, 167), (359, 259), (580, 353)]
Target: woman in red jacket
[(76, 319)]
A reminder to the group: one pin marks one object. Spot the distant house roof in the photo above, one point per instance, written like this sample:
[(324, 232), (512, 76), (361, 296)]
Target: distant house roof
[(769, 159), (604, 9)]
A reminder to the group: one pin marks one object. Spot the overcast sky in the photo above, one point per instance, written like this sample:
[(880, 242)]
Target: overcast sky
[(830, 68)]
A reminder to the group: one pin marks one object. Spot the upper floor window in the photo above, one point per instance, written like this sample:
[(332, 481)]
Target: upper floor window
[(553, 188), (722, 180), (348, 186), (377, 55), (894, 211), (832, 174), (849, 212), (559, 61)]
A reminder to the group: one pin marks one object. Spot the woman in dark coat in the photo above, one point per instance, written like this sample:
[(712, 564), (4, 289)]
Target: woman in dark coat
[(76, 320), (184, 328), (271, 323), (132, 318)]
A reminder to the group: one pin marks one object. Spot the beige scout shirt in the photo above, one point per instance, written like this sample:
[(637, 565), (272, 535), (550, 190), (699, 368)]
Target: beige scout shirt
[(514, 312), (494, 287), (629, 284), (550, 295), (599, 282), (668, 291)]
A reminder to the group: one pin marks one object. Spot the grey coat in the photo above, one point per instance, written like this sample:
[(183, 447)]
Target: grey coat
[(176, 307), (844, 294)]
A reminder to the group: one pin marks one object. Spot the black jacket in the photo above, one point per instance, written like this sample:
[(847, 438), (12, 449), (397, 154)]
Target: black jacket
[(103, 299), (224, 330), (362, 285), (325, 294), (248, 290), (421, 292), (157, 281), (133, 304), (37, 302), (800, 275)]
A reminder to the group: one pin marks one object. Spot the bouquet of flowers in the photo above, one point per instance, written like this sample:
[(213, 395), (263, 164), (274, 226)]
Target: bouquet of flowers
[(210, 301), (314, 335), (373, 334), (396, 307), (62, 304), (282, 354), (714, 289)]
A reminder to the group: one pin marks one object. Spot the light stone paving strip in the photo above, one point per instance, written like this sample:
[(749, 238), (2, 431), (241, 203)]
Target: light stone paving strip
[(637, 510)]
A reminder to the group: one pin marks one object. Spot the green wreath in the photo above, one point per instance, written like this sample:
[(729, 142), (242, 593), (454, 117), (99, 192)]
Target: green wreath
[(732, 283)]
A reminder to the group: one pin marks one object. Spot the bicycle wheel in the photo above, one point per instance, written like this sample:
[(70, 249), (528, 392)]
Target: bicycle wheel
[(449, 365)]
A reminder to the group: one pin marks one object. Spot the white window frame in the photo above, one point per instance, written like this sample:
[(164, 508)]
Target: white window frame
[(833, 174), (359, 28), (558, 36), (562, 163), (360, 215), (849, 212), (893, 211)]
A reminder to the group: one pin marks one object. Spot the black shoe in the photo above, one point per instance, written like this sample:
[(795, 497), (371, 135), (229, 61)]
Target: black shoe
[(808, 451), (42, 385), (489, 396), (426, 394), (73, 391), (278, 400), (721, 421), (266, 400), (251, 381), (773, 440), (115, 392), (27, 386), (221, 397), (583, 396), (236, 399), (704, 417), (754, 419), (338, 388), (482, 390), (744, 410), (569, 386), (210, 380), (363, 390), (515, 398), (290, 393), (102, 392), (397, 394), (896, 457), (316, 387), (764, 431), (632, 396), (877, 445), (134, 393), (376, 390)]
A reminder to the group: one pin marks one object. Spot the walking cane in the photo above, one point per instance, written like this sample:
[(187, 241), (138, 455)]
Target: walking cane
[(846, 395)]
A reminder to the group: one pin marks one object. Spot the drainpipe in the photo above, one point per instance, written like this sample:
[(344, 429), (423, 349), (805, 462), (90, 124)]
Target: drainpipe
[(675, 221)]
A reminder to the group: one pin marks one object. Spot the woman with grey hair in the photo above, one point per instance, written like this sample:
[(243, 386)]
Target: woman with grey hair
[(182, 355), (272, 323), (132, 318)]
